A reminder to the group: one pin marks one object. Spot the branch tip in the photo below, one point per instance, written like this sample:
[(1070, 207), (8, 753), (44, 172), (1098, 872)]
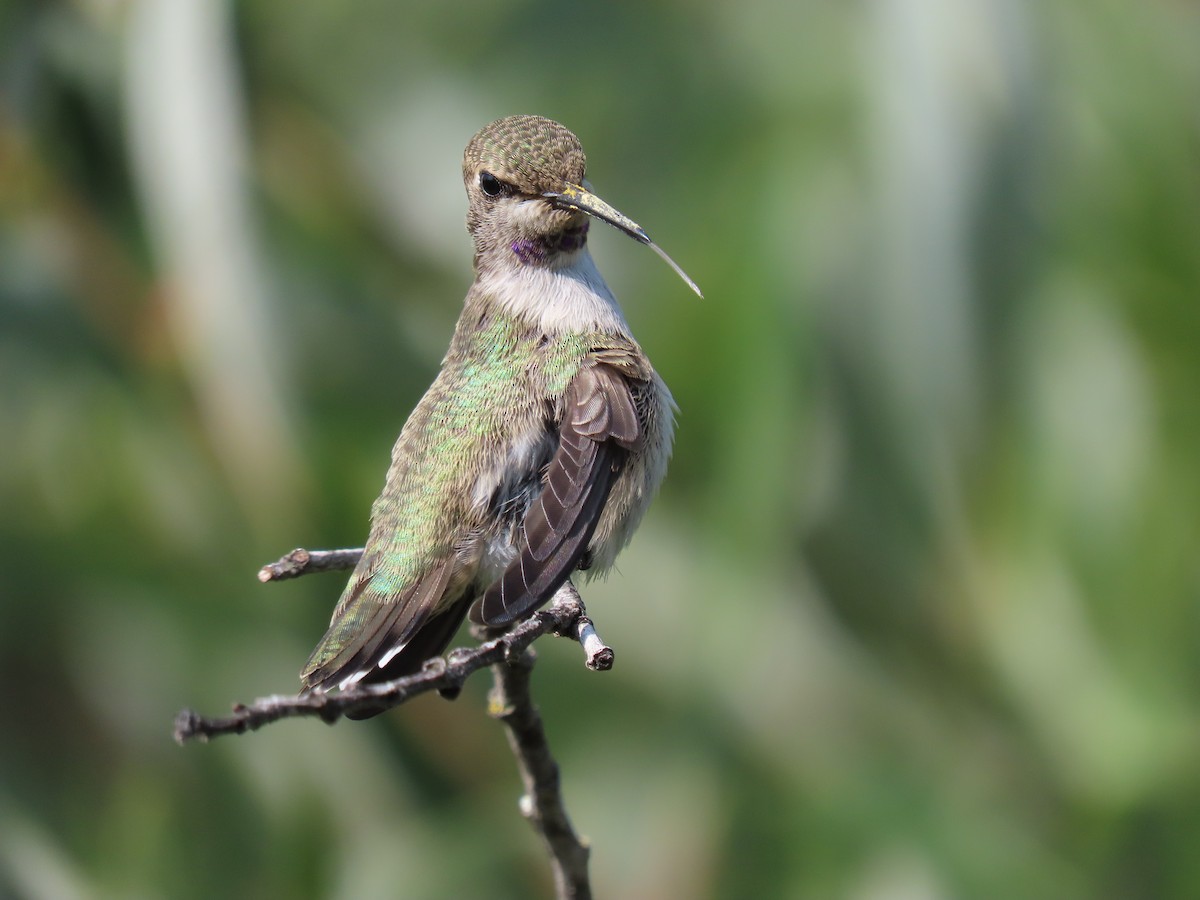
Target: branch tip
[(305, 562)]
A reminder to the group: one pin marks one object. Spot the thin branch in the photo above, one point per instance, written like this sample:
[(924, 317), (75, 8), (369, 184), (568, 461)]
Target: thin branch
[(511, 702), (439, 674), (599, 656), (511, 658), (306, 562)]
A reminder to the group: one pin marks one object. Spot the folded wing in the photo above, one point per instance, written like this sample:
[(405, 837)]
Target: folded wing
[(600, 426)]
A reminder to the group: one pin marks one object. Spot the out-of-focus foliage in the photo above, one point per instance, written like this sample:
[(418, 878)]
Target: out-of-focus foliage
[(917, 612)]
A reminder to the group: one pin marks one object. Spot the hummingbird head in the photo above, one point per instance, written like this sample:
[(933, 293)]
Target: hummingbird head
[(529, 202), (509, 168)]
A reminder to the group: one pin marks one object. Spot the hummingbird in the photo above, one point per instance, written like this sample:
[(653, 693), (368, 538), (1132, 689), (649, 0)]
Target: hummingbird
[(538, 447)]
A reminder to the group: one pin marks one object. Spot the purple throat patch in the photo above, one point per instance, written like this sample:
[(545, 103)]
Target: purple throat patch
[(537, 250)]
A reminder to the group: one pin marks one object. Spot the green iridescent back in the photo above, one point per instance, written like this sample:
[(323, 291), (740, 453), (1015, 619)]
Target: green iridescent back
[(489, 394)]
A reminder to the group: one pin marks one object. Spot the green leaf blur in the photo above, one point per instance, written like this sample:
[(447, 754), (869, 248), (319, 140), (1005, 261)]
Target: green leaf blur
[(917, 612)]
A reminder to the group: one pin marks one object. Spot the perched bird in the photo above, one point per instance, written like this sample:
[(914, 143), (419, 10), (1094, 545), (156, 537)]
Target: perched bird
[(540, 443)]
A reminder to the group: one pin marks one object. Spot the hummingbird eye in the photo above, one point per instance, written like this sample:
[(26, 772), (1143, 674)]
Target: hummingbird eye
[(490, 184)]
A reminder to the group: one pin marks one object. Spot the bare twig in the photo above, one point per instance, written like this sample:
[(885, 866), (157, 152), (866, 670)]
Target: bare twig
[(511, 658), (305, 562), (599, 656), (510, 701), (438, 675)]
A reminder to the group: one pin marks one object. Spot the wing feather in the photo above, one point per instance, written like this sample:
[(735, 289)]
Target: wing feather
[(599, 427)]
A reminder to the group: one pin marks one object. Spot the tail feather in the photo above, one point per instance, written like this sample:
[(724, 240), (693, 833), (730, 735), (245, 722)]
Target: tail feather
[(369, 628), (431, 640)]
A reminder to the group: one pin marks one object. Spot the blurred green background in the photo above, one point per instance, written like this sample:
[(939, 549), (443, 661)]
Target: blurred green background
[(916, 613)]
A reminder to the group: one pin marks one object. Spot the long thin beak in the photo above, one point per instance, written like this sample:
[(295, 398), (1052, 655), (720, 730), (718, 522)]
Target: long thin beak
[(572, 196)]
